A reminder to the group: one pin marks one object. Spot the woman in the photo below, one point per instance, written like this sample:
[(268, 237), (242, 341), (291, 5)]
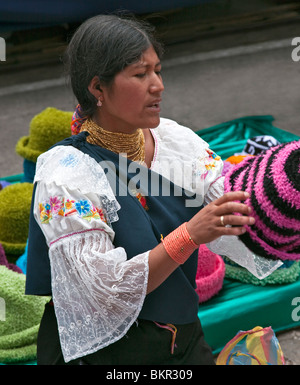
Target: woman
[(118, 215)]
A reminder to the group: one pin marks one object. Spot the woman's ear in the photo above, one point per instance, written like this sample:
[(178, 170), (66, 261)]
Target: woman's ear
[(94, 88)]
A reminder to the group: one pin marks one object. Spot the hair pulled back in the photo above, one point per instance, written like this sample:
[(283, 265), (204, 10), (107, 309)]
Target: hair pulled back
[(103, 46)]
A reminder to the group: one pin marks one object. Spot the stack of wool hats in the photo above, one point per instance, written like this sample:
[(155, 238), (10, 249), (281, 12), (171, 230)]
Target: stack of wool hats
[(210, 274), (15, 202), (20, 317), (273, 180), (46, 128)]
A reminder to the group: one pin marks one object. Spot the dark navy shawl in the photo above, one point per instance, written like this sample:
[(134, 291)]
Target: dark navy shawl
[(137, 230)]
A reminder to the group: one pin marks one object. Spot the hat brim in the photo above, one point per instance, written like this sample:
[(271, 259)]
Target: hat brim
[(209, 286), (280, 276), (23, 149), (20, 354), (13, 248)]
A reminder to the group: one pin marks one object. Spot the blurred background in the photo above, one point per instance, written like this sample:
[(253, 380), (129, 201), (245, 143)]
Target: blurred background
[(224, 59)]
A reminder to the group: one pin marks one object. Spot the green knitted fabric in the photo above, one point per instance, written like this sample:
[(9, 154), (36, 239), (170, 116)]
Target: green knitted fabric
[(46, 128), (280, 276), (15, 202), (20, 317)]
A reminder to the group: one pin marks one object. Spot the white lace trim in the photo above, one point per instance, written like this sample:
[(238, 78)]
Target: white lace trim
[(97, 293), (68, 166), (233, 248)]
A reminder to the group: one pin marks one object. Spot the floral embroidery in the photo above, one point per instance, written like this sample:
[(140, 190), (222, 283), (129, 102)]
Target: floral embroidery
[(213, 157), (140, 198), (55, 207)]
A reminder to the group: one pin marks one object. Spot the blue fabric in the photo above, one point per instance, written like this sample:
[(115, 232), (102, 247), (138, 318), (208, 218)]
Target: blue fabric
[(29, 171), (22, 260)]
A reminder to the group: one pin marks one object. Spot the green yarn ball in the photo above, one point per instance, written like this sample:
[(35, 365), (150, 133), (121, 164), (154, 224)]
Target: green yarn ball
[(15, 203)]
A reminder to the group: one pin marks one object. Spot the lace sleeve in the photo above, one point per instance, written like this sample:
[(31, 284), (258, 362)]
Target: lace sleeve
[(97, 292)]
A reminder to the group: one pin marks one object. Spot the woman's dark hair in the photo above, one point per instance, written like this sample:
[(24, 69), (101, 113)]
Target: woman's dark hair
[(103, 46)]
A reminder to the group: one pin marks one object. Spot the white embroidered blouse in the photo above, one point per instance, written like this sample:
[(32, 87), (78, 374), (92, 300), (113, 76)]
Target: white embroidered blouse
[(97, 292)]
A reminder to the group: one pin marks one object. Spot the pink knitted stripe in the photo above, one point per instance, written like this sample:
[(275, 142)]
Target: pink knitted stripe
[(271, 212), (277, 253), (283, 185), (238, 182)]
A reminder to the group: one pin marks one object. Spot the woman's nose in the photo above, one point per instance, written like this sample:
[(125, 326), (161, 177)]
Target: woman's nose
[(157, 84)]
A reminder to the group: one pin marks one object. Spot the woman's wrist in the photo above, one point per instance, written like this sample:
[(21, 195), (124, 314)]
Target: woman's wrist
[(179, 244)]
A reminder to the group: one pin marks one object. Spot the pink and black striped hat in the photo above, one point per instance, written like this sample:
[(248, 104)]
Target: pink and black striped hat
[(273, 181)]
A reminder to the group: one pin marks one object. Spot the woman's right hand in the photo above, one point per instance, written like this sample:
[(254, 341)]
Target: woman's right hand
[(218, 218)]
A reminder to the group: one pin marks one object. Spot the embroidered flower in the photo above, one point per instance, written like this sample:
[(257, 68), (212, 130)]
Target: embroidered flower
[(47, 207), (55, 204), (83, 207), (212, 154), (69, 204)]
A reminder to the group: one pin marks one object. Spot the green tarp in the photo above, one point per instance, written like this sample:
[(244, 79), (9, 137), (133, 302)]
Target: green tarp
[(228, 138), (242, 306)]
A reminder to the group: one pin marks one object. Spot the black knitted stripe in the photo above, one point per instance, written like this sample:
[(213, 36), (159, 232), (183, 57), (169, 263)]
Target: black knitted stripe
[(281, 205), (292, 169), (247, 239), (261, 213)]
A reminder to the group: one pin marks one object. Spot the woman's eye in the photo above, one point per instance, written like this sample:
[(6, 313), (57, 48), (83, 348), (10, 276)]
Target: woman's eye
[(141, 75)]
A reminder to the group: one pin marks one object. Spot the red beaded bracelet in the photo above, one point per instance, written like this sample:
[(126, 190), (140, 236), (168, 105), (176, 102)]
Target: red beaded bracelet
[(179, 244)]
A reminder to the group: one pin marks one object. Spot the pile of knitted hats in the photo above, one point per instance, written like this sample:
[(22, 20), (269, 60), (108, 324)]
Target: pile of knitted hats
[(272, 177), (20, 314), (46, 128)]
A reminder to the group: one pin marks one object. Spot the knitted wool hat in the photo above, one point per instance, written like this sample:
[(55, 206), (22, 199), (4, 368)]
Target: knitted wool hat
[(273, 182), (287, 273), (15, 202), (20, 317), (47, 128), (210, 274)]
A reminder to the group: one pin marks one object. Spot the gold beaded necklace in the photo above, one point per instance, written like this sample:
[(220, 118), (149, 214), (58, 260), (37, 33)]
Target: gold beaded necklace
[(133, 145)]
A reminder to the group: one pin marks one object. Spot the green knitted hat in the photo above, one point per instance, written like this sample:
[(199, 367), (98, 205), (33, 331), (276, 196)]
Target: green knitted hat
[(20, 317), (15, 202), (287, 273), (47, 128)]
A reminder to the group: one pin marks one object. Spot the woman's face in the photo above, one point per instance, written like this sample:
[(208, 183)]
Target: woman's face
[(133, 101)]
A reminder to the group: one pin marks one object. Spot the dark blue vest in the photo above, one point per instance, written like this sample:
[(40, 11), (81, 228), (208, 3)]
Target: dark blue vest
[(137, 230)]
